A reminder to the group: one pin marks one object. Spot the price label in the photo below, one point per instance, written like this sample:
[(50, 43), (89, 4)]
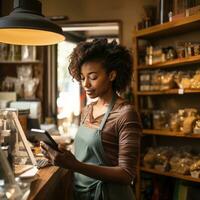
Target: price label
[(181, 91)]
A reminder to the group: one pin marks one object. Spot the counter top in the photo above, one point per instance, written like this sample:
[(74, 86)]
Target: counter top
[(52, 182)]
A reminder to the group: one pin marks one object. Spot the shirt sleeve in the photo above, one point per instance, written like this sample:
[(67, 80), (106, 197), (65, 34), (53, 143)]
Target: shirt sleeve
[(130, 130)]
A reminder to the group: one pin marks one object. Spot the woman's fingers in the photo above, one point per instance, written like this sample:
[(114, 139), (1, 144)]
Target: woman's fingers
[(64, 158), (44, 149), (44, 146), (62, 145), (47, 151), (62, 148)]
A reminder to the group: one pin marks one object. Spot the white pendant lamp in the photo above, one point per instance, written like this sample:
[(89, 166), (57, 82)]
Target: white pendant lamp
[(26, 25)]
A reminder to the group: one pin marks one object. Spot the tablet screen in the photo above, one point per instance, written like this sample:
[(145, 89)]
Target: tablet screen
[(42, 135)]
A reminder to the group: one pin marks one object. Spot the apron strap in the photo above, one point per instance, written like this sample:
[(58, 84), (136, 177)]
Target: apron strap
[(82, 121), (88, 111), (101, 191), (103, 121), (112, 103)]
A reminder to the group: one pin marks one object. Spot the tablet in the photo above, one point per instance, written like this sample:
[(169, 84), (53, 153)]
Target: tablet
[(42, 135)]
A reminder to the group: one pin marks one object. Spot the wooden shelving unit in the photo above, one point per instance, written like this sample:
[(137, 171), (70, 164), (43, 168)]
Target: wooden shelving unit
[(173, 29), (170, 174), (9, 68), (172, 91), (21, 62), (178, 26), (173, 63), (169, 133)]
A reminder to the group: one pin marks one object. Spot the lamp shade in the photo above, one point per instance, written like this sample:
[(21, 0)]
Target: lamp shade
[(26, 25)]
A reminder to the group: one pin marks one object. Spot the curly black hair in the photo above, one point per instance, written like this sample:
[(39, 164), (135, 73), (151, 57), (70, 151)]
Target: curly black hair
[(111, 55)]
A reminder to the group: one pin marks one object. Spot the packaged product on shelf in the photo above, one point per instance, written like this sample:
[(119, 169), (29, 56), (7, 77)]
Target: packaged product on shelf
[(189, 121), (145, 80), (24, 72), (174, 122), (181, 115), (8, 84), (183, 166), (158, 158), (189, 49), (30, 84), (182, 159), (195, 81), (185, 83), (30, 87), (154, 55), (192, 11), (4, 49), (160, 119), (196, 49), (174, 163), (146, 117), (149, 158), (171, 53), (14, 53), (155, 80), (149, 55), (28, 53), (180, 52), (162, 158), (195, 169), (167, 81), (19, 88), (196, 129), (184, 79)]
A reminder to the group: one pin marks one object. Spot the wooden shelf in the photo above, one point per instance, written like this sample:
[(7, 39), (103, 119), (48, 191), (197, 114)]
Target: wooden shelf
[(21, 62), (172, 91), (160, 35), (173, 63), (182, 25), (170, 174), (169, 133)]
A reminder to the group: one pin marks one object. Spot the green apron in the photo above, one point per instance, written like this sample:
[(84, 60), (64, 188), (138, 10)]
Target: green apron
[(89, 149)]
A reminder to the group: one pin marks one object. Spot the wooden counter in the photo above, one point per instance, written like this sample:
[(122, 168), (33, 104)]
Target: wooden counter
[(51, 183)]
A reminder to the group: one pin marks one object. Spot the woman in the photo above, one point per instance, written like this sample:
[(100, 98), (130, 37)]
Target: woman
[(107, 142)]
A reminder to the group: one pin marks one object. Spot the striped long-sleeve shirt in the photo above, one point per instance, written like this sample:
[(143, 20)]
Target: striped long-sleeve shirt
[(120, 135)]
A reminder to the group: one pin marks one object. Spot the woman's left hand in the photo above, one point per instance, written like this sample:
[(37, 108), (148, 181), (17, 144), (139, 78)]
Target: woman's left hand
[(62, 158)]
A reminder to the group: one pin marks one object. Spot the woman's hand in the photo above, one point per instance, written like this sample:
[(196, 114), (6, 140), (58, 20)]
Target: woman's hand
[(64, 158)]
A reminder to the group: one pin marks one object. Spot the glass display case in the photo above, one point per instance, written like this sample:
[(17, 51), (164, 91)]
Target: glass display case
[(16, 158), (13, 139), (9, 188)]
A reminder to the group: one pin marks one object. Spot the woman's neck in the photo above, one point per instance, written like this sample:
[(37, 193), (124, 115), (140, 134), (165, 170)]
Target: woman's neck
[(104, 101)]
